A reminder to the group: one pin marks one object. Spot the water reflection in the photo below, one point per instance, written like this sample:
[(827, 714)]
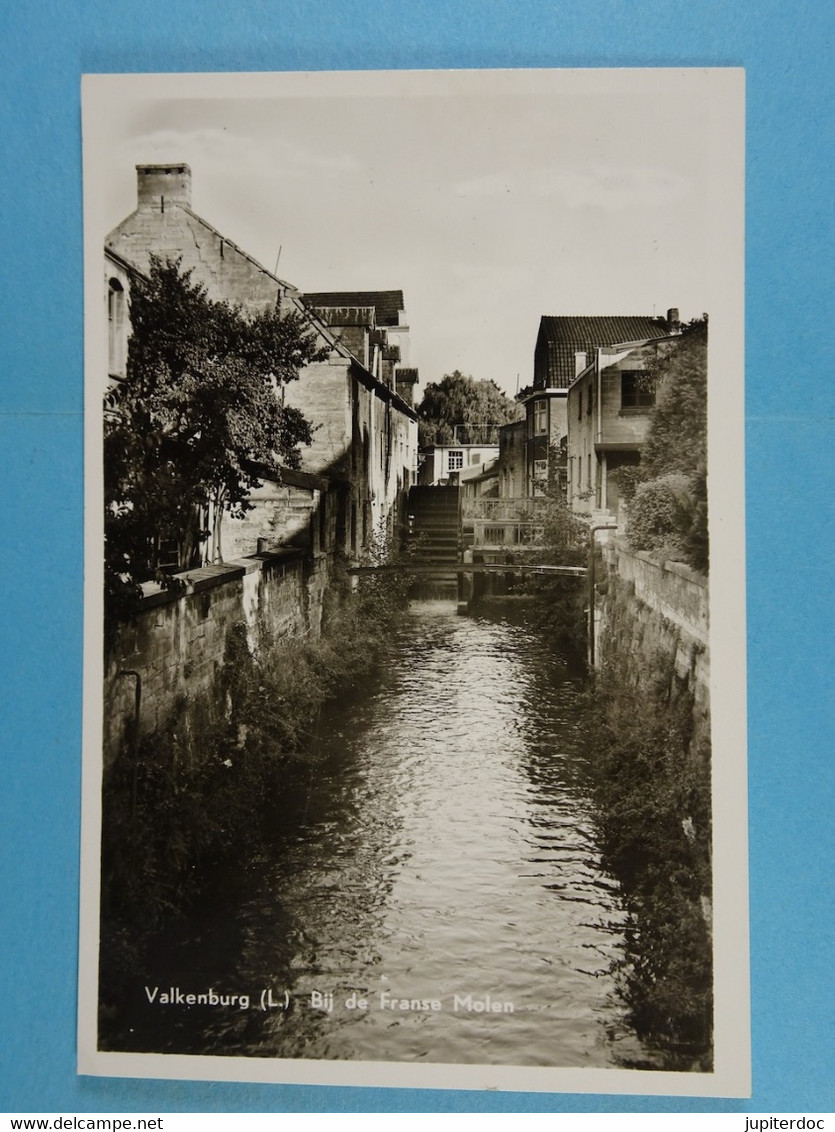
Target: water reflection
[(439, 843)]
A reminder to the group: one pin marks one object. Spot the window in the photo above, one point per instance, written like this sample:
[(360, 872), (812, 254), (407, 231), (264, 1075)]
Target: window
[(579, 404), (455, 460), (591, 399), (540, 418), (540, 477), (117, 331), (635, 392), (114, 300)]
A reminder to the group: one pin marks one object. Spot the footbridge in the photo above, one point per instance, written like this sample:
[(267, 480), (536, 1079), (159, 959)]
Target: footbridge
[(426, 569)]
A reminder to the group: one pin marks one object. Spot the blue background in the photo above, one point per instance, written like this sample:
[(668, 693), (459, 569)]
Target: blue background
[(786, 48)]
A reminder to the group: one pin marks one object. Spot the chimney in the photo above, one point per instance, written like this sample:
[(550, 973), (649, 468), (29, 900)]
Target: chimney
[(158, 185), (580, 362), (405, 382), (673, 321)]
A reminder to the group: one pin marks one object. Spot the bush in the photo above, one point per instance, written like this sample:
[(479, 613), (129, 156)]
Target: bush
[(696, 546), (661, 515), (191, 791), (667, 492), (561, 601), (651, 776), (628, 479)]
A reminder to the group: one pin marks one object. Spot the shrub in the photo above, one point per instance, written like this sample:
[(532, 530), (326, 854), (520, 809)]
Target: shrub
[(628, 479), (696, 545), (191, 791), (651, 777), (666, 516), (561, 601), (661, 514)]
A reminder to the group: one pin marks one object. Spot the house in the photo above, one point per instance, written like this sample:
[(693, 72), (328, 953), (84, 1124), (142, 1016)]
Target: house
[(118, 277), (442, 464), (565, 345), (513, 460), (373, 325), (363, 457), (609, 405), (497, 516), (480, 481)]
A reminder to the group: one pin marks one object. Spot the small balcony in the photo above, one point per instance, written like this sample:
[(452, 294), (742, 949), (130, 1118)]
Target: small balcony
[(503, 524)]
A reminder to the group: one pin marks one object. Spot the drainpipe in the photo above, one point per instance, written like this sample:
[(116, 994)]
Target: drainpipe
[(590, 576)]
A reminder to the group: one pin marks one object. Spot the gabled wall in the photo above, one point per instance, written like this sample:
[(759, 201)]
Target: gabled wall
[(364, 436), (166, 227), (603, 433)]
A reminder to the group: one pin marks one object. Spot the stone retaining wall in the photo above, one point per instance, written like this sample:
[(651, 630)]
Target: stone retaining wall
[(176, 643), (653, 609)]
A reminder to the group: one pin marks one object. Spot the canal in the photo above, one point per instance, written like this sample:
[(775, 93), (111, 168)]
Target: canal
[(430, 887)]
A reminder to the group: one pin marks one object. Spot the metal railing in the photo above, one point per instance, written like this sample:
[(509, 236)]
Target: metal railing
[(492, 534), (519, 509)]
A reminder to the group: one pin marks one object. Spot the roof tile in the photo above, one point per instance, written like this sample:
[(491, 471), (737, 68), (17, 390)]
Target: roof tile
[(562, 336), (388, 304)]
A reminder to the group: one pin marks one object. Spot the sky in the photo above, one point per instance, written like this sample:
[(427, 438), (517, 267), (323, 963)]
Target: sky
[(489, 198)]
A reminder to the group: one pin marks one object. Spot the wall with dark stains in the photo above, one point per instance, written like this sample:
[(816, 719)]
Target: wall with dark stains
[(177, 642)]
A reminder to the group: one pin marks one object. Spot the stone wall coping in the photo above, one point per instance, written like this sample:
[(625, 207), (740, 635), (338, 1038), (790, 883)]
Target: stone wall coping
[(209, 577), (681, 569)]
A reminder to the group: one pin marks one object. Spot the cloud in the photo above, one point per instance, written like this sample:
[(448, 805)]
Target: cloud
[(608, 187), (268, 156)]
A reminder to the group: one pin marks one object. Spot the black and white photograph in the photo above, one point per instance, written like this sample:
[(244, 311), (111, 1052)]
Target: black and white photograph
[(414, 684)]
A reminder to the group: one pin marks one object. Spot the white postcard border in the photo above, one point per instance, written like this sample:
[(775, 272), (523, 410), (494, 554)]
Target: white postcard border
[(724, 88)]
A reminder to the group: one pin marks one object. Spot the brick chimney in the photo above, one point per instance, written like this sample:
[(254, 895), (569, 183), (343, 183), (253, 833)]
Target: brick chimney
[(673, 321), (158, 185)]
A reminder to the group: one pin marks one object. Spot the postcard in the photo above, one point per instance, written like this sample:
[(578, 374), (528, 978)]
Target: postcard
[(414, 713)]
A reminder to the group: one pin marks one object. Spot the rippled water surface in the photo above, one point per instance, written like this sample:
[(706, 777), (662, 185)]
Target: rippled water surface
[(438, 843)]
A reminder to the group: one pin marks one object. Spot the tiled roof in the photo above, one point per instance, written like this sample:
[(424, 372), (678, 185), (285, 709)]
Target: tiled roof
[(562, 336), (388, 304)]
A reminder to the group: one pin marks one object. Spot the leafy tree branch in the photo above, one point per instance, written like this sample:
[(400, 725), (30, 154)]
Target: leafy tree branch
[(199, 411)]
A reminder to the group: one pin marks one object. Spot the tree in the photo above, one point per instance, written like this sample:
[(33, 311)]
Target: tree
[(669, 505), (197, 417), (677, 438), (476, 408)]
